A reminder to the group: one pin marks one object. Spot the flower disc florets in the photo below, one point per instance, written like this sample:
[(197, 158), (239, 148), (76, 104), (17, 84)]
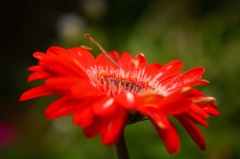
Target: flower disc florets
[(115, 81)]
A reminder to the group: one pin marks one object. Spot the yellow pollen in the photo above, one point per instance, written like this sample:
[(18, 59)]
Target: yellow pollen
[(120, 84), (145, 84), (113, 73), (120, 76)]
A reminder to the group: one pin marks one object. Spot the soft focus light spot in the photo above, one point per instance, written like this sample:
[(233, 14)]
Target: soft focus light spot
[(63, 125), (70, 27), (94, 9), (7, 135)]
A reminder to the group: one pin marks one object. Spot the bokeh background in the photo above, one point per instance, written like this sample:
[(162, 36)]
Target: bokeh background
[(200, 32)]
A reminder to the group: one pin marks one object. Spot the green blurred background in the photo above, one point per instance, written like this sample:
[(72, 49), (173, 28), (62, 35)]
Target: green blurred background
[(200, 32)]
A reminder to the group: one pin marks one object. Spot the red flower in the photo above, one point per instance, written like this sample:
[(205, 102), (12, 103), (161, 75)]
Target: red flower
[(104, 97)]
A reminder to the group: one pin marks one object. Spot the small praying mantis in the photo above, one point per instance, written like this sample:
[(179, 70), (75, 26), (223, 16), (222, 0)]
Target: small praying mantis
[(100, 47)]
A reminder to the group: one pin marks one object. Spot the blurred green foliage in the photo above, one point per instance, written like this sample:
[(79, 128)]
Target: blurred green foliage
[(201, 32)]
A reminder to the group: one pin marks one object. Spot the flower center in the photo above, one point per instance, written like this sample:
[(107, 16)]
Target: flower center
[(117, 85), (114, 81)]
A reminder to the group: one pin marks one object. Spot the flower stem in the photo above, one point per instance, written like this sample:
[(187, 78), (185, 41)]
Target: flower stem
[(120, 149)]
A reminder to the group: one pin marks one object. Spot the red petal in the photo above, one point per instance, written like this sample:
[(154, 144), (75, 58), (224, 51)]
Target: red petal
[(177, 93), (127, 100), (197, 110), (203, 101), (83, 56), (126, 56), (193, 131), (62, 83), (189, 77), (35, 92), (195, 93), (77, 87), (34, 68), (176, 106), (169, 106), (105, 107), (38, 75), (62, 65), (84, 90), (104, 61), (138, 62), (61, 107), (115, 55), (168, 70), (201, 82), (193, 74), (112, 127), (128, 62), (124, 61), (83, 118), (56, 50), (211, 110), (169, 137), (38, 55), (93, 129), (149, 100), (196, 118), (152, 68), (159, 118)]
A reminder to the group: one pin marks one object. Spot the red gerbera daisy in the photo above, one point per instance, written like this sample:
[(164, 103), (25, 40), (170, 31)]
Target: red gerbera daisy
[(109, 92)]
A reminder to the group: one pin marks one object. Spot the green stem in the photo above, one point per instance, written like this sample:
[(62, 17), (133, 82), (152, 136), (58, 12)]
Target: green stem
[(120, 149)]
